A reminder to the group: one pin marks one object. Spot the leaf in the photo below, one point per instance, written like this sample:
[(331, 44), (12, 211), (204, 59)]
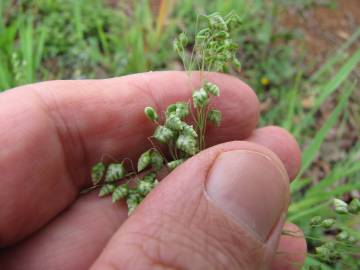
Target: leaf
[(106, 190), (115, 172), (97, 173), (144, 160)]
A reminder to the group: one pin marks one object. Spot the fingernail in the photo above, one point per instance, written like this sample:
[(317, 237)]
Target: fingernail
[(250, 187)]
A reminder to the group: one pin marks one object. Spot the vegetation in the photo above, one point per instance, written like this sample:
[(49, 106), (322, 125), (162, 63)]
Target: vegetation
[(51, 39), (213, 49)]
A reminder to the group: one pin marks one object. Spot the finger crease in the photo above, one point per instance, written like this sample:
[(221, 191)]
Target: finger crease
[(64, 132)]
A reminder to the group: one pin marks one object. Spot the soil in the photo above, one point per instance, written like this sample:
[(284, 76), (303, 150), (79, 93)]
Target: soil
[(325, 28)]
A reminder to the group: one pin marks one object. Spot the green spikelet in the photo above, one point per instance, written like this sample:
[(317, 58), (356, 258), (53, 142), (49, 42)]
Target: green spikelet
[(214, 116), (144, 161), (120, 192), (163, 134), (211, 88), (174, 122), (106, 190), (180, 109), (97, 173), (187, 144), (172, 165), (133, 200), (200, 98), (116, 171), (189, 130), (151, 114), (157, 160), (145, 187)]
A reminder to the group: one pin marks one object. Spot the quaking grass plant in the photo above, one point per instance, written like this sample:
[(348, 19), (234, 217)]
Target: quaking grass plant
[(182, 128), (213, 50), (341, 241)]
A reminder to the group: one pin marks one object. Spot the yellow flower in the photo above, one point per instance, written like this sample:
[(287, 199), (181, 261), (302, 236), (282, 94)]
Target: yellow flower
[(265, 81)]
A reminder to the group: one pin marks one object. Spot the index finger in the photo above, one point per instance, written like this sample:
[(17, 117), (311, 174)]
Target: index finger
[(53, 132)]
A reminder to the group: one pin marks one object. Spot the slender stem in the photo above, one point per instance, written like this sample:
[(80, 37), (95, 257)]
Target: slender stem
[(171, 146), (157, 149)]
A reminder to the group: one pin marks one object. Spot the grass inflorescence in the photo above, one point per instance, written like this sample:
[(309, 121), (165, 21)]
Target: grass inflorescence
[(182, 127)]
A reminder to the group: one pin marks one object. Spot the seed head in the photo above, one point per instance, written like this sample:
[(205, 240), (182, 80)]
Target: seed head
[(315, 221), (340, 206), (211, 88), (187, 144), (200, 98), (151, 114), (157, 160), (343, 236), (116, 171), (97, 173), (175, 163), (144, 187), (183, 39), (150, 177), (354, 206), (144, 161), (106, 190), (173, 122), (180, 109), (352, 240), (120, 192), (133, 200), (328, 223), (163, 134), (217, 22), (214, 116), (189, 130)]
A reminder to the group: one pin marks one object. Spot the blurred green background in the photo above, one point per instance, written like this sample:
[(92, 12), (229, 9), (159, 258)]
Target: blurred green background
[(301, 57)]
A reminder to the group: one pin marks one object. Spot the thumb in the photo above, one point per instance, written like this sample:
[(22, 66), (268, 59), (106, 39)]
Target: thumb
[(222, 209)]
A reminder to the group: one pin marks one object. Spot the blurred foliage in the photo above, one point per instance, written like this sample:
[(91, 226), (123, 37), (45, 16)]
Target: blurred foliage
[(91, 39)]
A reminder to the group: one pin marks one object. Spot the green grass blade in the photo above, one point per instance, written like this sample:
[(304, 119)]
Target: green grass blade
[(311, 151), (339, 172), (39, 50), (26, 48), (310, 261), (78, 20), (293, 98), (300, 215), (298, 184), (343, 73), (338, 55), (5, 80), (329, 88)]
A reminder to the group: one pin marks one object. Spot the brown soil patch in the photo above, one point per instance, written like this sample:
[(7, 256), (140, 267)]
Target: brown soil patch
[(324, 28)]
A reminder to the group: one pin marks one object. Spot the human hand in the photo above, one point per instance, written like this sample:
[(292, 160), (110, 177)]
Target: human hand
[(222, 209)]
